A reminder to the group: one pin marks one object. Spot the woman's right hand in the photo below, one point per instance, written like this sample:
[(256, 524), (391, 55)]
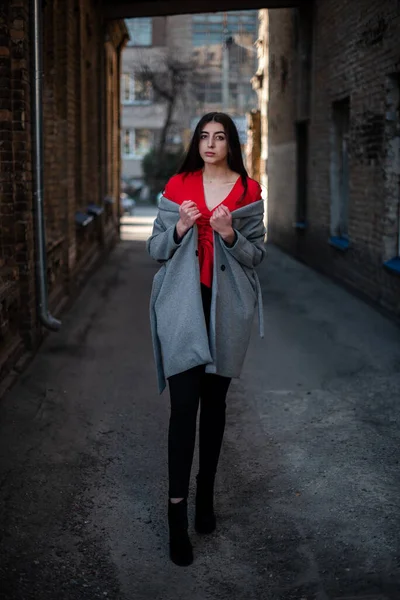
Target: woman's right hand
[(188, 213)]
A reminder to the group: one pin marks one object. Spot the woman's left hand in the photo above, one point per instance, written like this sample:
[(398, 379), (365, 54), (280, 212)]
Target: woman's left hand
[(221, 222)]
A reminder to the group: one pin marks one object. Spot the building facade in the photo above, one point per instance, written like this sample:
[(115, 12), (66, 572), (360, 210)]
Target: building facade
[(219, 47), (225, 55), (329, 89), (80, 166), (157, 45)]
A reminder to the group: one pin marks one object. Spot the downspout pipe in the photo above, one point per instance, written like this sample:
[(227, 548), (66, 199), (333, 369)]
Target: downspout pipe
[(45, 317)]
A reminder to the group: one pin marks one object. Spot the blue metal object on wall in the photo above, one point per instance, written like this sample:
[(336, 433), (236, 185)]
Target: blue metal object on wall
[(94, 209), (83, 219), (393, 264), (340, 243)]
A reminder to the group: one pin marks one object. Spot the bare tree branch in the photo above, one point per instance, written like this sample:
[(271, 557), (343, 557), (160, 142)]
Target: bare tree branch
[(171, 80)]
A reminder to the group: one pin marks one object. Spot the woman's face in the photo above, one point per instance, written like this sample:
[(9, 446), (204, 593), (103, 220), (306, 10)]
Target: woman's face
[(213, 145)]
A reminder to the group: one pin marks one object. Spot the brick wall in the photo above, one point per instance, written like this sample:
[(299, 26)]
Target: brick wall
[(16, 233), (75, 93), (81, 157), (354, 53)]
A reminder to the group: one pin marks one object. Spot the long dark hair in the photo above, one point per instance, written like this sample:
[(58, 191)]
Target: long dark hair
[(193, 161)]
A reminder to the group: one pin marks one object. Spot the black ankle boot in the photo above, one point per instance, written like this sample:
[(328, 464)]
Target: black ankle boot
[(180, 548), (205, 521)]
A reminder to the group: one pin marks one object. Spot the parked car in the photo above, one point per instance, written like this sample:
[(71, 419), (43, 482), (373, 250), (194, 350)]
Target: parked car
[(127, 204)]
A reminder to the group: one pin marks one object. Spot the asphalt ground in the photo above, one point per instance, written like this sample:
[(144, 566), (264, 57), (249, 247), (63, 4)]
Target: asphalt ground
[(308, 487)]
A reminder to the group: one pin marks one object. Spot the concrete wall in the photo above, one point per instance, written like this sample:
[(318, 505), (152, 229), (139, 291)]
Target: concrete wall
[(81, 158), (355, 56)]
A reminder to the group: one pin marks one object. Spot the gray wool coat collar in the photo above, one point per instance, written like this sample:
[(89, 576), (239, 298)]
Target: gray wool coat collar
[(179, 333)]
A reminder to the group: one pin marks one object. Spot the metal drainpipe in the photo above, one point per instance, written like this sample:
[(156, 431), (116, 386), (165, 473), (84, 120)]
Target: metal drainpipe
[(45, 317)]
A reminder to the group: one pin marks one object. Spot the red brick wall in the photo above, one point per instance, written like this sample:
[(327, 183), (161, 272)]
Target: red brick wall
[(74, 139), (77, 140), (355, 49), (16, 233)]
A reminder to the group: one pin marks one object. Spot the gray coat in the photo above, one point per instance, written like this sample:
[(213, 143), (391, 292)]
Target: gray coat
[(179, 332)]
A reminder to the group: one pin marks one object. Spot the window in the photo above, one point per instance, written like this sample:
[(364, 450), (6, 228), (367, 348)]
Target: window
[(207, 38), (214, 93), (140, 31), (134, 90), (209, 29), (233, 92), (200, 91), (136, 143), (208, 93), (127, 89), (143, 90), (340, 174), (239, 22), (128, 142), (143, 141)]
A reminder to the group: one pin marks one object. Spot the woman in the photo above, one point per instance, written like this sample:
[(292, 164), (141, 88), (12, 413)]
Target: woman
[(209, 236)]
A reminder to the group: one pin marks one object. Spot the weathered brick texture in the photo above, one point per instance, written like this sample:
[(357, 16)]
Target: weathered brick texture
[(75, 141), (81, 157), (355, 51), (16, 258)]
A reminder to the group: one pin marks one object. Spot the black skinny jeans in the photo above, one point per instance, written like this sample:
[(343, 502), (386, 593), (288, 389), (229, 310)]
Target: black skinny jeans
[(187, 389)]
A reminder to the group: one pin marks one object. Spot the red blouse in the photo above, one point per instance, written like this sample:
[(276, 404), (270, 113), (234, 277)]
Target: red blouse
[(190, 187)]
